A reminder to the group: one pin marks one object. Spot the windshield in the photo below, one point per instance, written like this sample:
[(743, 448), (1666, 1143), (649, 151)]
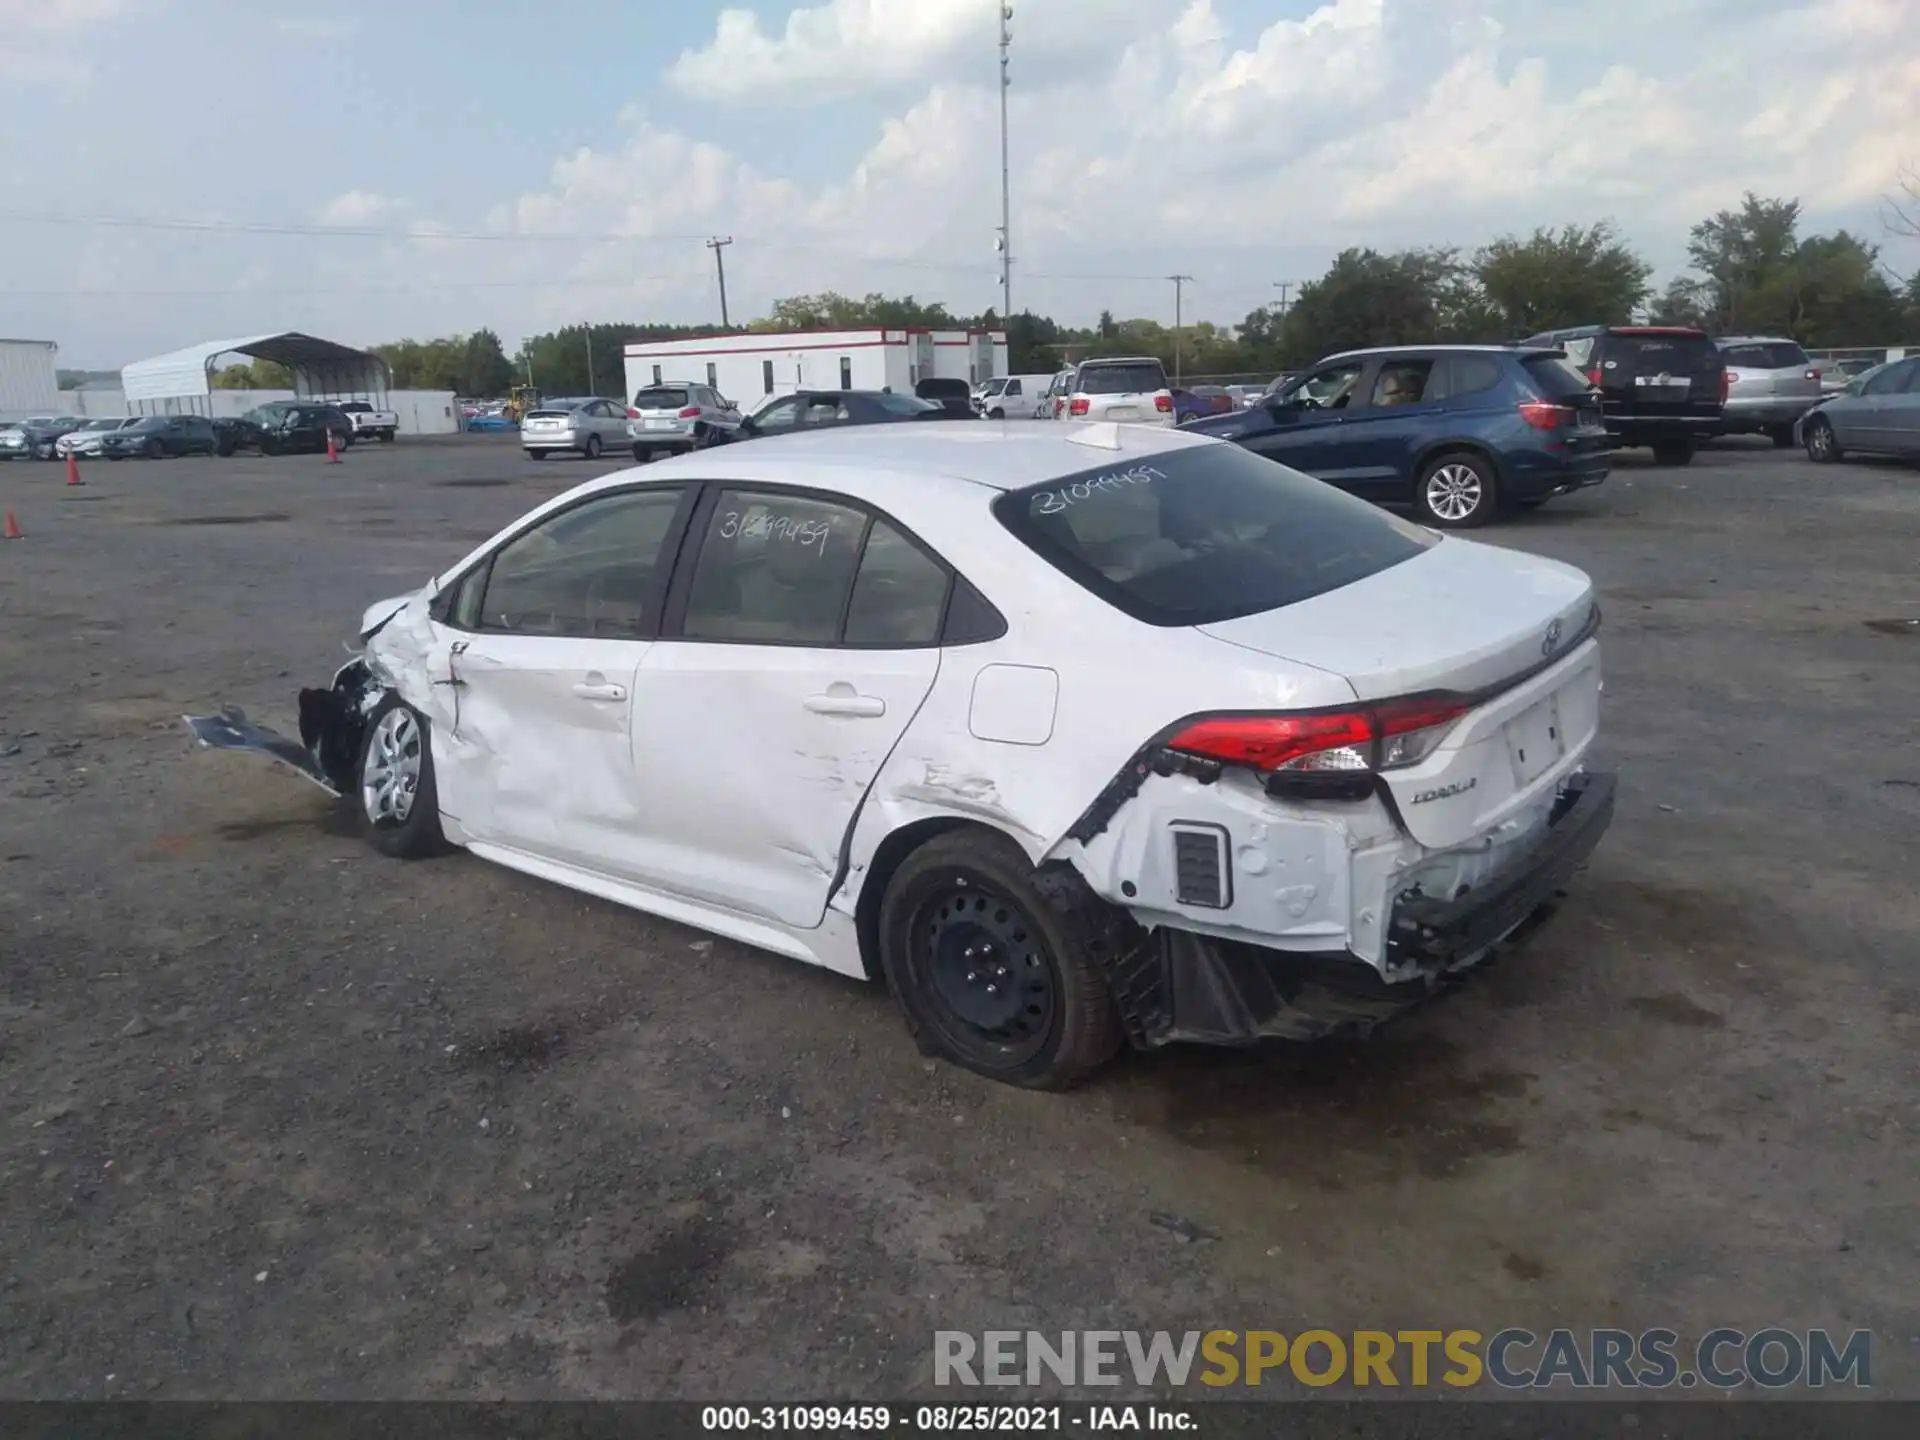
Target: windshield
[(661, 397), (1196, 536), (1132, 378), (101, 425), (152, 422)]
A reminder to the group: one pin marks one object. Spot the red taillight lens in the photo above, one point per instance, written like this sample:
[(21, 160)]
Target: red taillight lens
[(692, 412), (1545, 415), (1079, 405), (632, 414), (1726, 385), (1814, 375), (1389, 736), (1163, 402), (1593, 377)]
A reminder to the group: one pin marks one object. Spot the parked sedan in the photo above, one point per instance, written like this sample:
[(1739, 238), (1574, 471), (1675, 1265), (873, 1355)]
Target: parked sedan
[(814, 409), (1770, 384), (35, 438), (1457, 432), (1078, 739), (1879, 414), (291, 427), (583, 426), (161, 437), (87, 439)]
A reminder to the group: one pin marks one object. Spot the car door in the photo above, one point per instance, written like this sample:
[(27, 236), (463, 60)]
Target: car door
[(542, 641), (1870, 422), (1388, 426), (1307, 420), (1899, 414), (800, 640)]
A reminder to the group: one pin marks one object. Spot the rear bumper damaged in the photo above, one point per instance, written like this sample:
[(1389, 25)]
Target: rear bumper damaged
[(1180, 985)]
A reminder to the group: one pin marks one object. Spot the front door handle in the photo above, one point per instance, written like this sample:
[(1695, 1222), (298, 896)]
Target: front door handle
[(870, 707), (600, 690)]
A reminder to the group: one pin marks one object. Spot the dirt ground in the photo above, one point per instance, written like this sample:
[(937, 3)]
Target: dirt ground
[(280, 1118)]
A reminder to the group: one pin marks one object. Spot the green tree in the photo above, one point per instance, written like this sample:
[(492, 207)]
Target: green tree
[(1575, 276), (484, 368), (1367, 298), (1748, 259)]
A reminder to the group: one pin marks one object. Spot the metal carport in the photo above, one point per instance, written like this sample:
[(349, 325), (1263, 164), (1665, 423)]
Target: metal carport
[(181, 381)]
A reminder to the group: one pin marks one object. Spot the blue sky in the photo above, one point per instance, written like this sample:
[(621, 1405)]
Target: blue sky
[(853, 144)]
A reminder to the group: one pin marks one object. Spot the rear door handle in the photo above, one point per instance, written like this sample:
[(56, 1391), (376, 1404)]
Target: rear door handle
[(600, 691), (870, 707)]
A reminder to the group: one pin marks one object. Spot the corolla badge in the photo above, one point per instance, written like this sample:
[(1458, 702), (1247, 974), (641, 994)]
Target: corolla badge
[(1548, 645)]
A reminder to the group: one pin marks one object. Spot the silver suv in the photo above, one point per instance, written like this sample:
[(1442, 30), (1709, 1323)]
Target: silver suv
[(669, 418), (1770, 384)]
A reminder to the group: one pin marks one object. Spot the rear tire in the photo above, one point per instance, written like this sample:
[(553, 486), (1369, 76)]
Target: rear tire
[(536, 454), (997, 967), (1823, 446), (1782, 436), (1673, 452), (593, 447), (642, 455), (1456, 492), (398, 802)]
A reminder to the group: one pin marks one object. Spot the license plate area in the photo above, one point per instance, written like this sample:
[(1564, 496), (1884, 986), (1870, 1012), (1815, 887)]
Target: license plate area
[(1123, 412), (662, 424), (1536, 740)]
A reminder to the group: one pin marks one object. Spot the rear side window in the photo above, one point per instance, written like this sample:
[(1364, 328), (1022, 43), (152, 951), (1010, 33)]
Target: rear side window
[(1131, 379), (1554, 378), (1766, 355), (1192, 537), (661, 397), (1471, 374)]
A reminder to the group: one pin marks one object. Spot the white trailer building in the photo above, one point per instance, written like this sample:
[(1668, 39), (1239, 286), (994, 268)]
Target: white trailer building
[(28, 384), (750, 369)]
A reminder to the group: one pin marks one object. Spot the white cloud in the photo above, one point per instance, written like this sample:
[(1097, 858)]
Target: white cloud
[(359, 207), (57, 15)]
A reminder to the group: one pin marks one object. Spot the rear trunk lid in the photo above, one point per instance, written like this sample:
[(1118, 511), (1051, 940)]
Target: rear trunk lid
[(1656, 372), (659, 408), (1769, 367), (1508, 632)]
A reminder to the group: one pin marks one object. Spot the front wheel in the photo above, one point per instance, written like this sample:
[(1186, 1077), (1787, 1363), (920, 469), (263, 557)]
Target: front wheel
[(1673, 452), (1823, 446), (156, 451), (399, 805), (996, 414), (1456, 492), (998, 968), (593, 447)]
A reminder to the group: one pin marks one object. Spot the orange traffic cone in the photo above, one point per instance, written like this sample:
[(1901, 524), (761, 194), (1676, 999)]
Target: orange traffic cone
[(333, 455), (73, 469), (13, 530)]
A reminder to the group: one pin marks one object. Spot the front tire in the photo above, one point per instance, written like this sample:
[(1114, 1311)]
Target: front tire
[(1456, 492), (399, 804), (1673, 452), (1823, 446), (996, 414), (996, 967)]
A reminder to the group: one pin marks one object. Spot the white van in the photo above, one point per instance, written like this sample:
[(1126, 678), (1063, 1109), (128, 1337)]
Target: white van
[(1020, 397)]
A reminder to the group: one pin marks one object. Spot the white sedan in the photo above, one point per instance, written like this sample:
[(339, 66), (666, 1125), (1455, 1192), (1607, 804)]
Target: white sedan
[(1078, 737)]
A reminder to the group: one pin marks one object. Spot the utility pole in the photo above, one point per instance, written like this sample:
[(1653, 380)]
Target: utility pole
[(1179, 283), (588, 328), (716, 245), (1006, 182), (1285, 287)]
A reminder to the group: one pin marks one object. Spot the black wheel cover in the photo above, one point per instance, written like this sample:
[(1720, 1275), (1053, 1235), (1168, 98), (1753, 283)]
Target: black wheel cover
[(980, 963)]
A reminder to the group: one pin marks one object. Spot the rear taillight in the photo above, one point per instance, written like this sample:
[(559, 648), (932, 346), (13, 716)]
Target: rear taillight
[(1079, 405), (1391, 736), (1726, 386), (1545, 415), (632, 414), (1163, 402), (692, 412), (1593, 377), (1813, 375)]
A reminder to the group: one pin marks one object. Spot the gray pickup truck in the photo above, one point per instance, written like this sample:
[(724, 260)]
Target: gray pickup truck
[(369, 423)]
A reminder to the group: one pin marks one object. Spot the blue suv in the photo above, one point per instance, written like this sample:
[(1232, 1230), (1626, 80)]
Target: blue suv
[(1458, 432)]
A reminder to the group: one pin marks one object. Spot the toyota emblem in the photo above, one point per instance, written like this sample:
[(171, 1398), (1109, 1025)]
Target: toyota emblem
[(1553, 638)]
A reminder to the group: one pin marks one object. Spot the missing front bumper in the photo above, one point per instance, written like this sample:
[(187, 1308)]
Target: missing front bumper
[(332, 728), (1187, 987)]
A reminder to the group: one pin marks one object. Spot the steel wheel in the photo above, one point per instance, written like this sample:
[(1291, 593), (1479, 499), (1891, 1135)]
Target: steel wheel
[(390, 778), (1453, 492), (984, 965)]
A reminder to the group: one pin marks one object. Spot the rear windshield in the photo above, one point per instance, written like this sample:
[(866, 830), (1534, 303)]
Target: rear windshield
[(1766, 355), (660, 398), (903, 404), (1132, 379), (1196, 536), (958, 389), (1554, 378), (1644, 353)]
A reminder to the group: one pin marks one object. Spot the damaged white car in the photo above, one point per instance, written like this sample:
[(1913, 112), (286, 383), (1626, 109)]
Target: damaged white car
[(1114, 736)]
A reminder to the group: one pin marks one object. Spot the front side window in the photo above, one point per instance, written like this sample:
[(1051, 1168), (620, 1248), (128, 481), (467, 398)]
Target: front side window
[(1193, 537), (774, 570), (586, 572), (1893, 380), (1329, 388)]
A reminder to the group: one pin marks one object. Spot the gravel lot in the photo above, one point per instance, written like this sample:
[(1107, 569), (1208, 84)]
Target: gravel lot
[(281, 1118)]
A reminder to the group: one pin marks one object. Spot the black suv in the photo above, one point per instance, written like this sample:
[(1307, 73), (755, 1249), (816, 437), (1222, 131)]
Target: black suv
[(1661, 386)]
